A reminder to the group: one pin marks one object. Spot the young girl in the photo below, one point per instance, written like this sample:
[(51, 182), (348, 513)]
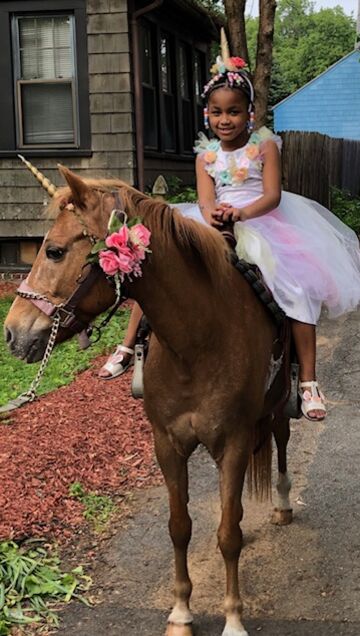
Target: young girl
[(306, 255)]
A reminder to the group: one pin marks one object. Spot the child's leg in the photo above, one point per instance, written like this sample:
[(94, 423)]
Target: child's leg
[(305, 343), (120, 359)]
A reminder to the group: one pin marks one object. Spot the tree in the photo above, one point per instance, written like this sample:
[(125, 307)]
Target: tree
[(306, 43), (235, 15)]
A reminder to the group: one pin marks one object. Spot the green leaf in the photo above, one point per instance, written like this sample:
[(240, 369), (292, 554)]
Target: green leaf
[(98, 247)]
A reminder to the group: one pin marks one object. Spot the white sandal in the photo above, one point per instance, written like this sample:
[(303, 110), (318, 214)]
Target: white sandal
[(114, 365), (312, 400)]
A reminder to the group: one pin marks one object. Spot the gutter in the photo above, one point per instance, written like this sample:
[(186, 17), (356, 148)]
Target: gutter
[(139, 123)]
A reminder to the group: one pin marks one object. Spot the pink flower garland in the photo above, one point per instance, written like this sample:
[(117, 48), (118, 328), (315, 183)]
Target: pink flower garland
[(128, 247)]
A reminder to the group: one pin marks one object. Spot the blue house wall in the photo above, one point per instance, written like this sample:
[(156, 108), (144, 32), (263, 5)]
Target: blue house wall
[(329, 104)]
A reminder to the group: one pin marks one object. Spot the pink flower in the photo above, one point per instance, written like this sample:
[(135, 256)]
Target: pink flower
[(140, 235), (109, 262), (234, 63), (118, 239), (140, 253), (126, 260)]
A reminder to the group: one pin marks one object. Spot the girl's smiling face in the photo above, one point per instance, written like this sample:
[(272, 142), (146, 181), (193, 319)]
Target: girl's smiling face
[(228, 117)]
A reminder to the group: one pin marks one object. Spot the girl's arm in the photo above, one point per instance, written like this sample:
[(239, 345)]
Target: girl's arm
[(206, 192), (271, 189)]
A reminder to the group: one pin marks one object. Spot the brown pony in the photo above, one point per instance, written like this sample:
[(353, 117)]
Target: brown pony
[(207, 366)]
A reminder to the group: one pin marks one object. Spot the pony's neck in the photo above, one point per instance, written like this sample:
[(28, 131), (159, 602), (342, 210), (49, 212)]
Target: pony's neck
[(177, 298)]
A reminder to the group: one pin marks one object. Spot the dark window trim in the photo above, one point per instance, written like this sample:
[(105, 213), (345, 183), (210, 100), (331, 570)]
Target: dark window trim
[(8, 144)]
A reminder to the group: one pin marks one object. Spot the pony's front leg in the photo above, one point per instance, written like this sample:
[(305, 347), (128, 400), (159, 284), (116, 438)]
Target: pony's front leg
[(232, 472), (174, 469), (282, 514)]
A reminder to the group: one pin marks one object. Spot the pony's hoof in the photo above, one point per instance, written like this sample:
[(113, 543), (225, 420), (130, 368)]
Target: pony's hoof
[(282, 517), (178, 630)]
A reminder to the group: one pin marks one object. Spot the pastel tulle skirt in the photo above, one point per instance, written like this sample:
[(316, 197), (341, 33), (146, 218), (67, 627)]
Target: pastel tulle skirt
[(308, 257)]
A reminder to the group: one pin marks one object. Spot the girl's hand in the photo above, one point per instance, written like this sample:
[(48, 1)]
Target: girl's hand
[(226, 213)]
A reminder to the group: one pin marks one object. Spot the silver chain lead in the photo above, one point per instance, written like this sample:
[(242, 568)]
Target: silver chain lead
[(30, 394)]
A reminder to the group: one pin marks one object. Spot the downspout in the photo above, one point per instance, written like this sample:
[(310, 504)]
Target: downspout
[(139, 123)]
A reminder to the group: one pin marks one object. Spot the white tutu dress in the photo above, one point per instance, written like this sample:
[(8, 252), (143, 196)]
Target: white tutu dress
[(307, 256)]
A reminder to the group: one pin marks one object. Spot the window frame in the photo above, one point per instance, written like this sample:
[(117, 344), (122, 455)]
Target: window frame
[(9, 142)]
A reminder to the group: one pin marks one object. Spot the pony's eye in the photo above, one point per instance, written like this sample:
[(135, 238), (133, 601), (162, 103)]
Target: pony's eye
[(55, 253)]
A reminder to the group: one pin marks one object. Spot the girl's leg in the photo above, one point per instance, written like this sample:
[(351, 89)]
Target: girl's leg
[(305, 343), (129, 342)]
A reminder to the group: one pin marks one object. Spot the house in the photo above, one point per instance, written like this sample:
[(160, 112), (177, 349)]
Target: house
[(106, 87), (329, 104)]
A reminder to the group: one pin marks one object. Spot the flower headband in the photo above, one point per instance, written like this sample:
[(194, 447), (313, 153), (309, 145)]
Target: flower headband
[(233, 70)]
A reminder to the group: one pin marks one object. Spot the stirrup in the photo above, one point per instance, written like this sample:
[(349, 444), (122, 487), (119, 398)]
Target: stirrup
[(114, 364), (312, 400), (137, 385)]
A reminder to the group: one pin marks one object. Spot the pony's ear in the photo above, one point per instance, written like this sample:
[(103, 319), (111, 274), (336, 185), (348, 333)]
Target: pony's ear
[(79, 189)]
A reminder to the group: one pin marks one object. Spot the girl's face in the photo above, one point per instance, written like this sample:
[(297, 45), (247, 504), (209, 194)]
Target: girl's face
[(228, 117)]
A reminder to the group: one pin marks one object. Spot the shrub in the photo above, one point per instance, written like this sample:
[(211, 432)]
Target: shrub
[(347, 208)]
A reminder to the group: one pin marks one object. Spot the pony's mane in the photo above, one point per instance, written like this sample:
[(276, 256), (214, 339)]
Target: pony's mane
[(165, 223)]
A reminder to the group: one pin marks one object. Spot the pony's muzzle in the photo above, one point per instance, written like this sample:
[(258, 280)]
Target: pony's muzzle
[(21, 345)]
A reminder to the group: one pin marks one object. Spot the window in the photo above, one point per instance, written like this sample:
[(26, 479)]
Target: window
[(172, 81), (44, 70), (18, 254), (45, 80)]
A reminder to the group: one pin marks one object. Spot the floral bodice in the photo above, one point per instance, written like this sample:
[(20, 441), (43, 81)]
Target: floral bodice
[(238, 170)]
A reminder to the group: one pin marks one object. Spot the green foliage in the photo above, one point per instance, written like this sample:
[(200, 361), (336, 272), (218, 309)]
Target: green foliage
[(347, 208), (65, 362), (30, 582), (178, 192), (97, 508), (306, 43)]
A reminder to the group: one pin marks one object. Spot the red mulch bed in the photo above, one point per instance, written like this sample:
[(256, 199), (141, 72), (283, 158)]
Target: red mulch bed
[(91, 431), (7, 288)]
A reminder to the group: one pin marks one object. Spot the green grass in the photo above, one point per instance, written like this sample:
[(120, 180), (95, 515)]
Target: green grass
[(98, 509), (65, 362)]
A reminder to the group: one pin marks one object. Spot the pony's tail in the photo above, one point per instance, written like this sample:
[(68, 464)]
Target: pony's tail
[(259, 467)]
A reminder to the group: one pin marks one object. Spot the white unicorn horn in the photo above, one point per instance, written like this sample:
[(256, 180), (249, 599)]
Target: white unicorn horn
[(45, 182), (225, 53)]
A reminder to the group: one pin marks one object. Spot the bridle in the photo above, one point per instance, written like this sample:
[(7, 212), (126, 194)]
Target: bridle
[(64, 314)]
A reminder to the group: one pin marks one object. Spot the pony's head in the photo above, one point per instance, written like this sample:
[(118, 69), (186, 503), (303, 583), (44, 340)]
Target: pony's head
[(80, 212)]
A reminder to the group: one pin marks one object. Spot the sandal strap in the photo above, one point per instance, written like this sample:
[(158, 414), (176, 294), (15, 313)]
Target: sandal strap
[(312, 399), (124, 349), (312, 384)]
